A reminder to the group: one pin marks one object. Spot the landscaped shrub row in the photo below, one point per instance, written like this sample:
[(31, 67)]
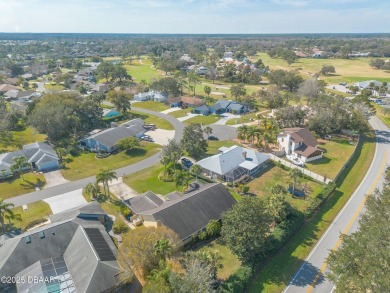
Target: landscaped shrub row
[(34, 223), (320, 199), (238, 280)]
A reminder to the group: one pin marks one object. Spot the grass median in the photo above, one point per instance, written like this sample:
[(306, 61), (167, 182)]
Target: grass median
[(276, 274)]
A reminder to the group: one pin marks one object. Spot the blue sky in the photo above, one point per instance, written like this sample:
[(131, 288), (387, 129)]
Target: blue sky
[(195, 16)]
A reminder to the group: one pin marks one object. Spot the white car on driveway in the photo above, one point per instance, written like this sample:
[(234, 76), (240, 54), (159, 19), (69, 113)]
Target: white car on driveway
[(296, 161)]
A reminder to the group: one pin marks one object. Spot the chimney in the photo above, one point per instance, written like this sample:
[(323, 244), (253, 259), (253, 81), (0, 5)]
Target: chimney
[(113, 124), (244, 154)]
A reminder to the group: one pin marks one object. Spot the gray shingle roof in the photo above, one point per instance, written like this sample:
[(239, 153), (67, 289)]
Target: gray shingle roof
[(192, 212), (230, 159), (144, 202), (67, 238), (110, 137)]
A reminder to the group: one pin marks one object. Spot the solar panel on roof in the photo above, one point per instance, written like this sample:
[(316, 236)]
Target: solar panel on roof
[(99, 244)]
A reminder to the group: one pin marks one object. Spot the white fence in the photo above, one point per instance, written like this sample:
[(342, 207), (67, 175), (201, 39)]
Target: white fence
[(290, 165)]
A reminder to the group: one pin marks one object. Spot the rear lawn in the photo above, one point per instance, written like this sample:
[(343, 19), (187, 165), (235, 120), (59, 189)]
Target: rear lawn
[(36, 210), (338, 151), (21, 137), (280, 269), (261, 186), (16, 186), (147, 179), (151, 105), (204, 120), (151, 119), (215, 145), (86, 164), (179, 113), (144, 71), (230, 263)]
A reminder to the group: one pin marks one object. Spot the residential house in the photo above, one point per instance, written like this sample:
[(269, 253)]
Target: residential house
[(107, 140), (109, 113), (192, 101), (228, 55), (220, 107), (366, 84), (237, 108), (300, 143), (158, 97), (201, 70), (17, 94), (72, 254), (141, 97), (12, 80), (234, 163), (203, 110), (101, 88), (174, 102), (7, 87), (40, 155), (187, 59), (188, 214), (151, 95), (27, 76)]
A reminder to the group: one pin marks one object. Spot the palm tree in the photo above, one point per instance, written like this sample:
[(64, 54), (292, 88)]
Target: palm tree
[(253, 132), (163, 248), (242, 132), (165, 160), (19, 164), (92, 189), (179, 177), (208, 130), (5, 212), (61, 152), (104, 176), (196, 170), (295, 173)]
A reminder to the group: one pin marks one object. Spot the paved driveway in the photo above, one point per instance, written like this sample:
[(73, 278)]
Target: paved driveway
[(224, 132), (225, 117), (54, 178), (189, 116), (66, 201), (161, 136), (121, 190)]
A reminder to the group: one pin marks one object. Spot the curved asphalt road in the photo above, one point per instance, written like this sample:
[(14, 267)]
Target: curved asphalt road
[(73, 185), (311, 275)]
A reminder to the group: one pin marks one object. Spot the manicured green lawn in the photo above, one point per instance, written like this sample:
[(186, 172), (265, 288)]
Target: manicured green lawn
[(159, 122), (204, 120), (215, 145), (86, 164), (147, 179), (179, 113), (230, 263), (261, 186), (279, 270), (338, 151), (16, 186), (143, 71), (151, 105), (348, 70), (21, 137), (35, 211), (56, 87)]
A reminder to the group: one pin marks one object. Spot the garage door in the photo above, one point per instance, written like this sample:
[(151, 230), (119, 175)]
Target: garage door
[(48, 166)]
